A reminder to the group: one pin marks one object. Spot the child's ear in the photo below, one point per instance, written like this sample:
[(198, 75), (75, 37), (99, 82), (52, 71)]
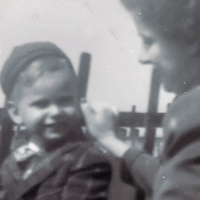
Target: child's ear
[(13, 112)]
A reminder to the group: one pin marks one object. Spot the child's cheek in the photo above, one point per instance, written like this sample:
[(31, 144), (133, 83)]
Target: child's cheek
[(34, 116)]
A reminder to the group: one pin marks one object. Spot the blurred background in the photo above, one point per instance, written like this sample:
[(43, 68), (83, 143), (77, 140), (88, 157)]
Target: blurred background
[(100, 27)]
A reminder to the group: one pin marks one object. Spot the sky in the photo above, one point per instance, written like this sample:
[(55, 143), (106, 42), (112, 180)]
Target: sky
[(100, 27)]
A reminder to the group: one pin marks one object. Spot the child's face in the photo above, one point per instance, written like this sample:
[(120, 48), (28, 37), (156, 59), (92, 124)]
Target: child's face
[(49, 107)]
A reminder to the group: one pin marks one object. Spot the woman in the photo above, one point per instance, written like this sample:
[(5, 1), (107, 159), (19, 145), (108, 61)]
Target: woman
[(170, 34)]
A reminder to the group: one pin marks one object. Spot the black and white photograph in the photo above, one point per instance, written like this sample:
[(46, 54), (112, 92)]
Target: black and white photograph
[(99, 100)]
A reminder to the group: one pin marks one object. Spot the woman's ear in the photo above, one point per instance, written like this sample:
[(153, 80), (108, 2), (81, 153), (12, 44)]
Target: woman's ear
[(13, 112)]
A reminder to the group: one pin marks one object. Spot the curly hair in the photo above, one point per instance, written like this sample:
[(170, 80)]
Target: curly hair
[(179, 19)]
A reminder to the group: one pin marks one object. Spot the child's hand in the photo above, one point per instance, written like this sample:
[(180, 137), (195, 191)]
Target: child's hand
[(101, 120)]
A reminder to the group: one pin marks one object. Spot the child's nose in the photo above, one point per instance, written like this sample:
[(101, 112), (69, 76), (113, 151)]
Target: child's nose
[(54, 110)]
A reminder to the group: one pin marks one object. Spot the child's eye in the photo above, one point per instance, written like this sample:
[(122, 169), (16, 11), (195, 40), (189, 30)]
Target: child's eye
[(65, 100), (40, 104)]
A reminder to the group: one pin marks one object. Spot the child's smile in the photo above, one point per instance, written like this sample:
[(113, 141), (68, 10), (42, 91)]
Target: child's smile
[(49, 108)]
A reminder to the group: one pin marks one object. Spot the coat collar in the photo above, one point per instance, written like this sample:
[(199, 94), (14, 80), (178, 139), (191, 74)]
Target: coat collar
[(44, 168)]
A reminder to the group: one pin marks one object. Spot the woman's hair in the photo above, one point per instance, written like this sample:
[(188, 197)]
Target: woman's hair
[(177, 19)]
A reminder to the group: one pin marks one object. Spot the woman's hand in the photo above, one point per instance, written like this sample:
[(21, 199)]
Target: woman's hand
[(101, 119), (102, 123)]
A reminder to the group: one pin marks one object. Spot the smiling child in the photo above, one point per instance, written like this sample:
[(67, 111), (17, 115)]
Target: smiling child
[(57, 162)]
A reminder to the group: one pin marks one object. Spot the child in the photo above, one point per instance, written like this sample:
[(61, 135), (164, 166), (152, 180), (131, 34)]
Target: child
[(57, 162)]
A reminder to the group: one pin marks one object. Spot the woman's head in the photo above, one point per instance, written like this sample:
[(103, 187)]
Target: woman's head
[(178, 19), (170, 35)]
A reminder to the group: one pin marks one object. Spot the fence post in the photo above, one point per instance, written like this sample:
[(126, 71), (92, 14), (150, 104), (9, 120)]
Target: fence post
[(83, 75), (150, 129), (152, 109)]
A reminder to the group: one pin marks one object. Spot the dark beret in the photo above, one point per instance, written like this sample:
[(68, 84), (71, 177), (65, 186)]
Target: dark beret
[(21, 56)]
